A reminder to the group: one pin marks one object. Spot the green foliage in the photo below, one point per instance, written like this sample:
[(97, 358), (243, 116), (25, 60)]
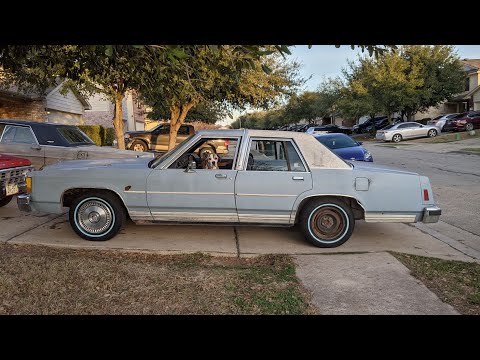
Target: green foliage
[(94, 132), (109, 136)]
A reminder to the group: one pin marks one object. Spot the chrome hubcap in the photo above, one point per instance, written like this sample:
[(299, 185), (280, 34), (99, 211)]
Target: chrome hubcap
[(94, 217), (138, 147)]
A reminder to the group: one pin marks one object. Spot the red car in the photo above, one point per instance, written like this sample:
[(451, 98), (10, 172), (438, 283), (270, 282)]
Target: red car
[(12, 177), (463, 122)]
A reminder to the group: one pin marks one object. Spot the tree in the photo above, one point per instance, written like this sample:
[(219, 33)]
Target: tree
[(230, 75)]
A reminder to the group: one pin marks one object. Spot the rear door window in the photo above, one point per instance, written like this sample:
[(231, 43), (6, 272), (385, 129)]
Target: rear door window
[(17, 135)]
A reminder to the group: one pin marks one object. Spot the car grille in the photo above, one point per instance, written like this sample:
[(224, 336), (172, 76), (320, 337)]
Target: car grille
[(15, 176)]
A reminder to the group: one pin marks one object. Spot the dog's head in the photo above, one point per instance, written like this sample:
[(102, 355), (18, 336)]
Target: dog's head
[(210, 161)]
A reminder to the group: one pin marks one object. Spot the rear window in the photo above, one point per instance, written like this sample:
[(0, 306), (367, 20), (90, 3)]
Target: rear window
[(74, 135)]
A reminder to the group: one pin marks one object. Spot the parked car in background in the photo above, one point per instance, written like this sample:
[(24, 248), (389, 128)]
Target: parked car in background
[(466, 121), (272, 178), (345, 147), (378, 123), (46, 143), (157, 139), (406, 130), (440, 121), (329, 128), (12, 177)]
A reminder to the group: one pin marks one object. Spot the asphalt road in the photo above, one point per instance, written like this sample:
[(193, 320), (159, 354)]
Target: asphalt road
[(455, 176)]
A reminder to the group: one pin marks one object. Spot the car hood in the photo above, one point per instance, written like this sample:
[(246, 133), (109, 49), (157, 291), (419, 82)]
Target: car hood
[(8, 161), (140, 163), (366, 166), (114, 152), (350, 153)]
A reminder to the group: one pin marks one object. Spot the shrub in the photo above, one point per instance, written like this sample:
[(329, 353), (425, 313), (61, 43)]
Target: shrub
[(109, 136), (94, 132)]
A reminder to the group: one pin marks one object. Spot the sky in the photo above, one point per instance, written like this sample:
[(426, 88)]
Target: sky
[(322, 61)]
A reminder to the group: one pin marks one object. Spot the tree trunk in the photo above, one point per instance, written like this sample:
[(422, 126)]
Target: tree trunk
[(118, 121), (178, 113)]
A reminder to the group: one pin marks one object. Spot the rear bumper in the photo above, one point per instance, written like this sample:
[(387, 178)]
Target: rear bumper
[(23, 202), (431, 214)]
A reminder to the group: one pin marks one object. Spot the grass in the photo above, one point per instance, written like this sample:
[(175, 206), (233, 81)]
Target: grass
[(455, 282), (44, 280), (448, 137), (473, 150)]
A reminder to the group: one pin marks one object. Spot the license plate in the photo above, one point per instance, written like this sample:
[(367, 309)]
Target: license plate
[(12, 189)]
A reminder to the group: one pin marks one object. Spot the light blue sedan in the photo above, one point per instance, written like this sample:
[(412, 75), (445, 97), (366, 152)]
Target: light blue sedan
[(265, 178)]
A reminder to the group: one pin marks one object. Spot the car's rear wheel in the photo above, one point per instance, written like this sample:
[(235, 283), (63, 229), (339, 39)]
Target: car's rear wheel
[(97, 216), (432, 133), (5, 200), (397, 138), (469, 127), (327, 222), (138, 145)]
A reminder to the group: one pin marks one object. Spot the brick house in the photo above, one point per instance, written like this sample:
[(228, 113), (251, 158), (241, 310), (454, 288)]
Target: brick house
[(464, 101), (52, 106), (102, 112)]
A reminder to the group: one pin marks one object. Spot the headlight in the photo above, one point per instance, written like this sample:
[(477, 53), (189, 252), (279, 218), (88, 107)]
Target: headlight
[(367, 156)]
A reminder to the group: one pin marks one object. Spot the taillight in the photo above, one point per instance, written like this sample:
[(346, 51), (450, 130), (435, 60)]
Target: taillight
[(227, 142), (425, 195)]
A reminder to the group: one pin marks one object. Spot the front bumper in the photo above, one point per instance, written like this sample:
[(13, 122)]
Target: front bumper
[(23, 202), (431, 214)]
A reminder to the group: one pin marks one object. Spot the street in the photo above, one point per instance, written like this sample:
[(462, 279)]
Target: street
[(455, 179)]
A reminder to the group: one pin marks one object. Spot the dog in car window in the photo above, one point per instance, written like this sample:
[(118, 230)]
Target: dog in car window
[(210, 161)]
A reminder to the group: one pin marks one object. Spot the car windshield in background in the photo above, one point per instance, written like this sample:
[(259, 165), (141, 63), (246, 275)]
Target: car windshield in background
[(74, 136), (388, 127), (337, 142)]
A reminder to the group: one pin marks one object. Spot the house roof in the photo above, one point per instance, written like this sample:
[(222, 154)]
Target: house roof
[(14, 91), (471, 65)]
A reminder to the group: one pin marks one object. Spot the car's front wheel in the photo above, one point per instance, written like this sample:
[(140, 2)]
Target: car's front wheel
[(469, 127), (97, 216), (5, 200), (327, 223), (397, 138), (140, 146), (432, 133)]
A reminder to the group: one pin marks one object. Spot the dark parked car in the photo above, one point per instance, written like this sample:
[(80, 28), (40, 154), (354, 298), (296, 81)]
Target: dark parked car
[(463, 122), (329, 128), (345, 147), (46, 143)]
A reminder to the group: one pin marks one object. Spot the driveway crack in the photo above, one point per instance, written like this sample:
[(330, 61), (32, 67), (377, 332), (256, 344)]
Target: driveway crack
[(237, 241), (32, 228)]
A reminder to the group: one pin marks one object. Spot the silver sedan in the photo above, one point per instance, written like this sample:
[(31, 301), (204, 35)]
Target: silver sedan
[(406, 130)]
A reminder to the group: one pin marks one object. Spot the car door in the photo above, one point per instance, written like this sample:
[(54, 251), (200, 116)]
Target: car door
[(475, 119), (274, 176), (177, 192), (19, 140), (417, 130)]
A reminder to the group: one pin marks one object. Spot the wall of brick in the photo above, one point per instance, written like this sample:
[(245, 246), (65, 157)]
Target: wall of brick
[(18, 109)]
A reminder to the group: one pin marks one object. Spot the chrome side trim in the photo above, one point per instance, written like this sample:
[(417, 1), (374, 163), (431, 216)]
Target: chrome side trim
[(186, 193), (382, 217), (267, 195), (193, 216), (269, 219), (140, 215)]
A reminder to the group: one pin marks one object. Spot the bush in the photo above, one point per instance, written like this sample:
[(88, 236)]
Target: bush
[(94, 132), (109, 136)]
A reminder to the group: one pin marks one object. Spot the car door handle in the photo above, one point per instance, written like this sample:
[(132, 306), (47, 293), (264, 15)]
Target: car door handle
[(35, 147), (220, 176), (298, 178)]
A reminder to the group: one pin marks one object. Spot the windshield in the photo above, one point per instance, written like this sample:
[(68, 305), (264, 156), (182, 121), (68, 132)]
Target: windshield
[(337, 142), (74, 135), (388, 127), (161, 157)]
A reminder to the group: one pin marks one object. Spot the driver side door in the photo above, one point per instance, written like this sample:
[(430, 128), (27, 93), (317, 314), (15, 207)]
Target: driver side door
[(197, 195)]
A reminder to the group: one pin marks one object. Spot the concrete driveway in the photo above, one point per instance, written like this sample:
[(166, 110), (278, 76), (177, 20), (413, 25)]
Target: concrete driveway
[(55, 230)]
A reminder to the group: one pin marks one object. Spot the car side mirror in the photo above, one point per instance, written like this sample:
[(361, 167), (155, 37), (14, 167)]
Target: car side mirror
[(360, 142)]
